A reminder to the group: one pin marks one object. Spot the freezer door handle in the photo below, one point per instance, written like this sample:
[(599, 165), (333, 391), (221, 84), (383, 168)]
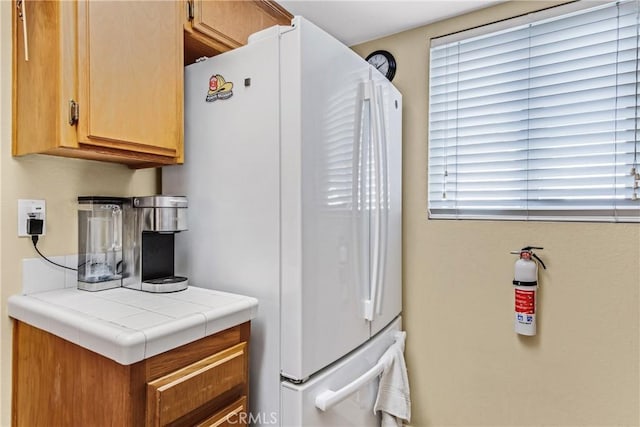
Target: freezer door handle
[(329, 398)]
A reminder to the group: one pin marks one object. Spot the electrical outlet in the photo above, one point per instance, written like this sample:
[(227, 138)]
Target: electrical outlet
[(28, 208)]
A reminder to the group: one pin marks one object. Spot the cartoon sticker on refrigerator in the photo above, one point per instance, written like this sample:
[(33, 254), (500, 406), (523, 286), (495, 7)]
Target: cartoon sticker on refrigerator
[(219, 88)]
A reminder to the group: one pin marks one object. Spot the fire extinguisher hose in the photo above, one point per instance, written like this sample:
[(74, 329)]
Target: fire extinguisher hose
[(539, 260)]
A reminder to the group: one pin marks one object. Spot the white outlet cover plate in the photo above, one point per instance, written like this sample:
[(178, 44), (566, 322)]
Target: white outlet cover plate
[(30, 206)]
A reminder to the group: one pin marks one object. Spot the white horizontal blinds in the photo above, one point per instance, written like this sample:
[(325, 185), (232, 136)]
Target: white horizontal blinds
[(538, 121), (478, 117)]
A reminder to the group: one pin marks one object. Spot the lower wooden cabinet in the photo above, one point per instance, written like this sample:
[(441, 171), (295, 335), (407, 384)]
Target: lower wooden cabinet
[(56, 382)]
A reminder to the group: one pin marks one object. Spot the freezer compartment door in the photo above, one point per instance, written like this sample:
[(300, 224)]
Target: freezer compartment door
[(356, 409)]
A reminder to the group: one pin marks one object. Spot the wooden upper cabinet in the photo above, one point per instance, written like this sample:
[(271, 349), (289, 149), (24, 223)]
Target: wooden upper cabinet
[(130, 63), (215, 26), (104, 79), (120, 62)]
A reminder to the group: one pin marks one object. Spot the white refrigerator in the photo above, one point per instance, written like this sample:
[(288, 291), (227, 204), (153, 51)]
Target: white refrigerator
[(293, 177)]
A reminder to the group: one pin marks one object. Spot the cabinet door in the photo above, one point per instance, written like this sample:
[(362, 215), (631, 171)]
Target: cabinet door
[(130, 77), (232, 22)]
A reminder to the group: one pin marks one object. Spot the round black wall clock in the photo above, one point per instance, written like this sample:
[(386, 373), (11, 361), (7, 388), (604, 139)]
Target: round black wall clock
[(384, 62)]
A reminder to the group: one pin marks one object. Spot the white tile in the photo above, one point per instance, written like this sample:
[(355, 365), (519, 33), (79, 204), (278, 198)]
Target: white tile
[(179, 309), (207, 297), (131, 348), (39, 276), (47, 317), (142, 321), (219, 319), (100, 308), (171, 335), (139, 299), (221, 323), (117, 294), (71, 277), (63, 297), (121, 344)]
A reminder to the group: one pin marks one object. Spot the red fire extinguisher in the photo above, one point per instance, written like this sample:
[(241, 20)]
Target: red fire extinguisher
[(525, 282)]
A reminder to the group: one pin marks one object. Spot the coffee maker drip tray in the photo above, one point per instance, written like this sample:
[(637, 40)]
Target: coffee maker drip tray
[(165, 284)]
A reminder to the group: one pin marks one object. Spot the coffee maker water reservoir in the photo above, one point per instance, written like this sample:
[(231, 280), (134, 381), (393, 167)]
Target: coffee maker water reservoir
[(100, 242)]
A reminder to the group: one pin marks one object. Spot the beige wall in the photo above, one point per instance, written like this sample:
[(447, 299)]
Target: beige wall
[(466, 365), (57, 180)]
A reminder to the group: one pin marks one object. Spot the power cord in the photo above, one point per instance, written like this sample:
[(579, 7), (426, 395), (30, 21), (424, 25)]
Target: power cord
[(34, 239)]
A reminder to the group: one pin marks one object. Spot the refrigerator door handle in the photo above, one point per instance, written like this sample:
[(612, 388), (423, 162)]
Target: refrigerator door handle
[(384, 197), (380, 208), (374, 189), (363, 193), (356, 191), (329, 398)]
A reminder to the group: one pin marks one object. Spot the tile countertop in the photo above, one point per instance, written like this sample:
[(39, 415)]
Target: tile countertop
[(128, 325)]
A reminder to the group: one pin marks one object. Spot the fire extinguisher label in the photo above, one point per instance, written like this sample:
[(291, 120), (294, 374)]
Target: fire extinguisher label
[(525, 301)]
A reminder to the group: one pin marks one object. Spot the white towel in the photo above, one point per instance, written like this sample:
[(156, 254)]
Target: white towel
[(393, 398)]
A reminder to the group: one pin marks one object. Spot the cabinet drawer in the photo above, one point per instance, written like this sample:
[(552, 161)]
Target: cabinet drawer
[(180, 392), (233, 415)]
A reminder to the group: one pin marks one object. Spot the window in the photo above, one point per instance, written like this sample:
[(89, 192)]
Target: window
[(538, 120)]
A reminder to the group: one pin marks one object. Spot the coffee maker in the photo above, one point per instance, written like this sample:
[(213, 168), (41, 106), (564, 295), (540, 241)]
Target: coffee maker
[(150, 225), (100, 264)]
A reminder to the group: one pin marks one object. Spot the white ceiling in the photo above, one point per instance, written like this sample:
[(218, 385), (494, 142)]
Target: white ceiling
[(358, 21)]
